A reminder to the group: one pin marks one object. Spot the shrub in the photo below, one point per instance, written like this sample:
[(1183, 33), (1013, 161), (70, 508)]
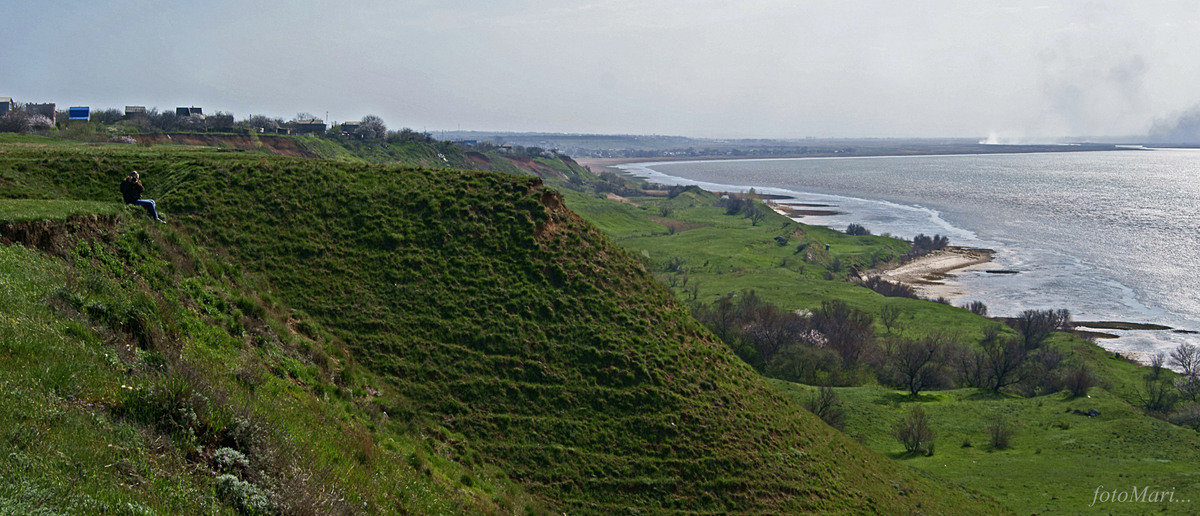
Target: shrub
[(827, 406), (977, 308), (1158, 396), (1188, 415), (914, 433), (888, 288), (917, 365), (1000, 433), (1079, 380), (923, 244), (243, 496), (734, 204), (674, 264), (857, 230), (228, 459), (847, 331), (1035, 325), (1188, 387), (1003, 361)]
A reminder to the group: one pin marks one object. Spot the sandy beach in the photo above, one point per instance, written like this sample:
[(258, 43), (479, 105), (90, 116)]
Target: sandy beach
[(933, 275)]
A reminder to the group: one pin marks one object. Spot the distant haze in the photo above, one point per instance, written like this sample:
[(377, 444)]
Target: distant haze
[(782, 69)]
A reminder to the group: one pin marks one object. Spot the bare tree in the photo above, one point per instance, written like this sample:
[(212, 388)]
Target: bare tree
[(890, 315), (970, 366), (918, 364), (847, 330), (1156, 364), (1187, 358), (1004, 358), (1035, 325), (1188, 387)]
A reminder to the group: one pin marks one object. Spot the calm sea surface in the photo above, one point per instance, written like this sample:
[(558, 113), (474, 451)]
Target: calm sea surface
[(1107, 235)]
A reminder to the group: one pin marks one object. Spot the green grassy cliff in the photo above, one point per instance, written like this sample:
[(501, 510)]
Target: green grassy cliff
[(379, 338)]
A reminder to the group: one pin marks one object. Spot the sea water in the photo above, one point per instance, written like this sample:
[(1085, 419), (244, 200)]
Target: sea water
[(1110, 236)]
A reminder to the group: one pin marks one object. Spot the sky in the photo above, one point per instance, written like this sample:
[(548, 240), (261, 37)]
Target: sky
[(1011, 70)]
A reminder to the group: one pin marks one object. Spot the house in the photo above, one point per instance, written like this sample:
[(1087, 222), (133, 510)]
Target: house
[(46, 110), (312, 125), (350, 127), (6, 105), (79, 113), (132, 111), (189, 111)]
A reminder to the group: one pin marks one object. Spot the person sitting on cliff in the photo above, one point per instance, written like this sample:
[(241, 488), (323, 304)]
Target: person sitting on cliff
[(131, 190)]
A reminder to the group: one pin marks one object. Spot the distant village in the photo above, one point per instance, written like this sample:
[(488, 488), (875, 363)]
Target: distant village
[(35, 117), (184, 117)]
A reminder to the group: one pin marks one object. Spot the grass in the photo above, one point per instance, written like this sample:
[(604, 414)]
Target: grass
[(416, 340), (1056, 460), (17, 210), (726, 254)]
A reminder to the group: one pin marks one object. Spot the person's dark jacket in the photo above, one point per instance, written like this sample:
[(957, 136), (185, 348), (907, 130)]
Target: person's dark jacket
[(131, 190)]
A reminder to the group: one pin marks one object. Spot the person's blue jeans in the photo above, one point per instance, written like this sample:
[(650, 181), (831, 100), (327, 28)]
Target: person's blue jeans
[(149, 205)]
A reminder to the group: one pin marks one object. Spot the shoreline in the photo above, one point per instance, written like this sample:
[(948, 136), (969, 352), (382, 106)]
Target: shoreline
[(933, 275)]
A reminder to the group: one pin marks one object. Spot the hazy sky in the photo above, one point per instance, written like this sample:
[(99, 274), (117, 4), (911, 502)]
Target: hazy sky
[(699, 68)]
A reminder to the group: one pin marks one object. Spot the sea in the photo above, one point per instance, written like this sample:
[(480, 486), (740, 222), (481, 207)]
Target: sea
[(1110, 236)]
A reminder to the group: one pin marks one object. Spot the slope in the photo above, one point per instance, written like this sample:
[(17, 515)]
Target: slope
[(486, 308)]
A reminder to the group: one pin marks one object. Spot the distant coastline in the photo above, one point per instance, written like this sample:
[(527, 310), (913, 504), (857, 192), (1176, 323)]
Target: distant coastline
[(937, 275), (958, 150)]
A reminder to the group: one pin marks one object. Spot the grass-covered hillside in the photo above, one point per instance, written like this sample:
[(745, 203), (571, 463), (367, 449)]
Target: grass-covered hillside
[(351, 337), (1055, 458)]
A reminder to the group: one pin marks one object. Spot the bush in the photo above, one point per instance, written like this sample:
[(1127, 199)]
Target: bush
[(1000, 433), (977, 308), (888, 288), (1079, 380), (734, 204), (923, 244), (1188, 415), (914, 433), (1158, 396), (827, 406), (243, 496), (228, 459), (846, 330), (857, 230), (1188, 387), (917, 365), (1035, 325)]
